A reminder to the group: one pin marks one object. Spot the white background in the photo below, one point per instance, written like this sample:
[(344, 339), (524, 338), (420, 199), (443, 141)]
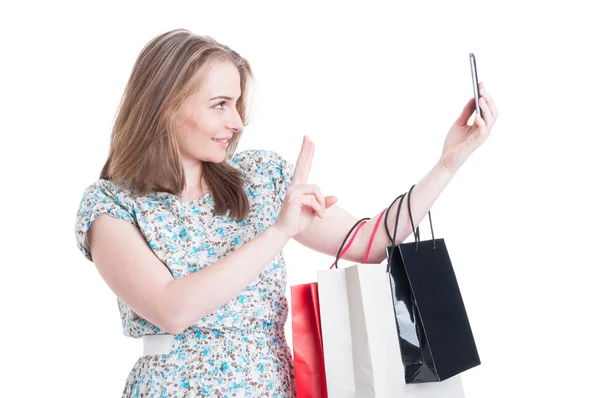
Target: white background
[(376, 88)]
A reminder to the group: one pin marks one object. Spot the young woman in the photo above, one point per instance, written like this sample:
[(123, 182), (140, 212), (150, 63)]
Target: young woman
[(189, 234)]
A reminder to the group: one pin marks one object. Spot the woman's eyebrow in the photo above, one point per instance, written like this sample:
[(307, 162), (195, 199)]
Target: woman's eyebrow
[(222, 97)]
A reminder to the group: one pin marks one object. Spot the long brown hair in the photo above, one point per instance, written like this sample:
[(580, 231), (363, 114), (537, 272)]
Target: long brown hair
[(143, 149)]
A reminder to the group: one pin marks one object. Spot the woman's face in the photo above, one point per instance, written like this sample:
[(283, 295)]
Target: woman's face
[(210, 114)]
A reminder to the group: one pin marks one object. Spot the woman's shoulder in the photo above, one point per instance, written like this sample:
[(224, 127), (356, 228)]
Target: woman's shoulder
[(109, 190), (266, 168), (260, 161), (107, 196), (102, 197)]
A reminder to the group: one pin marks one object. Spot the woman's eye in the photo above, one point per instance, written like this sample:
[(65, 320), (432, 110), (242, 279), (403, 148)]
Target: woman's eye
[(220, 103)]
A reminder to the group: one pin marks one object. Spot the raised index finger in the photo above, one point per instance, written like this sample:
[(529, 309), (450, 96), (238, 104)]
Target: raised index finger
[(304, 162)]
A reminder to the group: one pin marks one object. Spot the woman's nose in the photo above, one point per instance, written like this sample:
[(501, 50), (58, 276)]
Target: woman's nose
[(235, 122)]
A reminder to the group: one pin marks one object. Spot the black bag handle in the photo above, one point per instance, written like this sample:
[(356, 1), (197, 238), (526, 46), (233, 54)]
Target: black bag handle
[(416, 231), (385, 223), (417, 234), (346, 238), (387, 212)]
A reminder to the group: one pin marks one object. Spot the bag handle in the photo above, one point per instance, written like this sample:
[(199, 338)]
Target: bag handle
[(373, 236), (417, 234), (393, 239), (359, 224)]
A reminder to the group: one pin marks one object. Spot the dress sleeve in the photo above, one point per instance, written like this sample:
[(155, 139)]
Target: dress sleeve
[(282, 171), (99, 198)]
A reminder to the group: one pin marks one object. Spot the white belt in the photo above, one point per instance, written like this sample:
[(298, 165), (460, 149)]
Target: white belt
[(158, 344)]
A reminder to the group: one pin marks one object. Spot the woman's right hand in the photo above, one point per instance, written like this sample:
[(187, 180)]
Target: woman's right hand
[(303, 202)]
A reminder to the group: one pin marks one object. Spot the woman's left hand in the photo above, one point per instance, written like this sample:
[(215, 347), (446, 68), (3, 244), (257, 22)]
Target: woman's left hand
[(462, 140)]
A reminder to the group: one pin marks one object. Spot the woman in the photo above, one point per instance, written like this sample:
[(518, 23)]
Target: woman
[(188, 234)]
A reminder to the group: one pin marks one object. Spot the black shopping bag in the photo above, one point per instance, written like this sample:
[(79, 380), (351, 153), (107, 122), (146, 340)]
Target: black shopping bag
[(435, 336)]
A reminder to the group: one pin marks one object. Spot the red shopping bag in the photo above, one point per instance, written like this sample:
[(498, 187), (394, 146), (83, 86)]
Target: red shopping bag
[(309, 364)]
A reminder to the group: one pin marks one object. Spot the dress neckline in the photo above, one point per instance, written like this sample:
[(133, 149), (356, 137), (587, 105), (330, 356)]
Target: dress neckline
[(195, 200)]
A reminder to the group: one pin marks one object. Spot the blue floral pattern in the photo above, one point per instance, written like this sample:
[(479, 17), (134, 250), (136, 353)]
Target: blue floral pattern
[(239, 350)]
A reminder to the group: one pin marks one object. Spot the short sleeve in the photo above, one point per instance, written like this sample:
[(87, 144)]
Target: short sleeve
[(282, 173), (278, 170), (102, 197)]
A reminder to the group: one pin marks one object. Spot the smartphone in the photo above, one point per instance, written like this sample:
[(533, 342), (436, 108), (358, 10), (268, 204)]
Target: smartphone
[(475, 83)]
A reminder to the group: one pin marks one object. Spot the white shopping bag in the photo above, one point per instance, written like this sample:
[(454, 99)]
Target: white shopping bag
[(360, 339), (348, 368)]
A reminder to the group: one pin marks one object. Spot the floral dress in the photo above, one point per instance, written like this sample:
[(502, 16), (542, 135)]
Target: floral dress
[(239, 350)]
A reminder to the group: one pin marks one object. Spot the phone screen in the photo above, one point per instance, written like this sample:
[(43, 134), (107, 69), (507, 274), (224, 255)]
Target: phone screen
[(475, 83)]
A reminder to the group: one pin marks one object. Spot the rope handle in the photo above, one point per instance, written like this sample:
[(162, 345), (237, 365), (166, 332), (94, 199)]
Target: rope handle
[(360, 223)]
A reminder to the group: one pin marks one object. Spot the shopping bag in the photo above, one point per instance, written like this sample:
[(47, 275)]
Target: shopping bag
[(434, 332), (347, 358), (360, 340), (386, 357), (309, 368)]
